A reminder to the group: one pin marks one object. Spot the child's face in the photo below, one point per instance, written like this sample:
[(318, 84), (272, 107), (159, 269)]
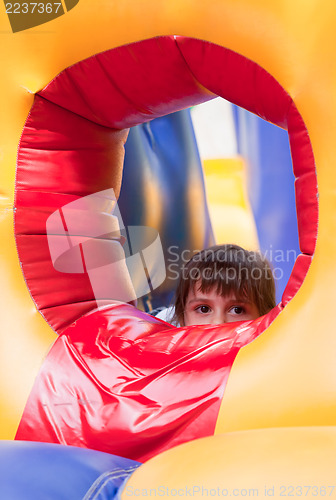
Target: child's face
[(210, 308)]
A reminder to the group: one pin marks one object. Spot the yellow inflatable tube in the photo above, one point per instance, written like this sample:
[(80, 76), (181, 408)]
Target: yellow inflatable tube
[(231, 215), (287, 377)]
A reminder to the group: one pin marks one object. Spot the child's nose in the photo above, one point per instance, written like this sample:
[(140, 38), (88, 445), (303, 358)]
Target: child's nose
[(219, 318)]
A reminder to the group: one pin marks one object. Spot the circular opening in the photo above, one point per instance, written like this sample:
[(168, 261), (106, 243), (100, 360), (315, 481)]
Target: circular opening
[(73, 140)]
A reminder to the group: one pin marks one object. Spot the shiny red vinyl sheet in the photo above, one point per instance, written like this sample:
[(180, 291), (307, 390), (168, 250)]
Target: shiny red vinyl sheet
[(123, 382)]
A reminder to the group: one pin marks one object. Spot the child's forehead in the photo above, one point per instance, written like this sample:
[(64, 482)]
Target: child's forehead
[(200, 288), (211, 293)]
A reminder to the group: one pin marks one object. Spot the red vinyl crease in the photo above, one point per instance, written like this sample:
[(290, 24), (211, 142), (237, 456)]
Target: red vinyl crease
[(129, 85), (132, 385), (116, 379)]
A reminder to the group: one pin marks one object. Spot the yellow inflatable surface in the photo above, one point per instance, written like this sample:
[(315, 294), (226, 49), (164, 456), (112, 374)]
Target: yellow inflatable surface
[(286, 378), (231, 215), (284, 462)]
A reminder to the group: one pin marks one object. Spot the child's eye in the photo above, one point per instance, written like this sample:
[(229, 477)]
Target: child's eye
[(203, 309), (237, 310)]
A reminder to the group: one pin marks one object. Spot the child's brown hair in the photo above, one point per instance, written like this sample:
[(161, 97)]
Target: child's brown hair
[(227, 269)]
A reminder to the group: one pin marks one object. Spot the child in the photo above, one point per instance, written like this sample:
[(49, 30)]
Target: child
[(223, 284)]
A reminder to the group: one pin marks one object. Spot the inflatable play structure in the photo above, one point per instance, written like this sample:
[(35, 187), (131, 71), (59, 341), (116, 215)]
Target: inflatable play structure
[(228, 409)]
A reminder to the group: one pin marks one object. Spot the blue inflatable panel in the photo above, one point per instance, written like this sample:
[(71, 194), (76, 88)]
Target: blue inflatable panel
[(43, 471), (163, 187), (266, 149)]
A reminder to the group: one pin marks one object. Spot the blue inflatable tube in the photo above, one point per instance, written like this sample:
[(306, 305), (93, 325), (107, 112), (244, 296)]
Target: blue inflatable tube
[(265, 148), (163, 187), (43, 471)]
